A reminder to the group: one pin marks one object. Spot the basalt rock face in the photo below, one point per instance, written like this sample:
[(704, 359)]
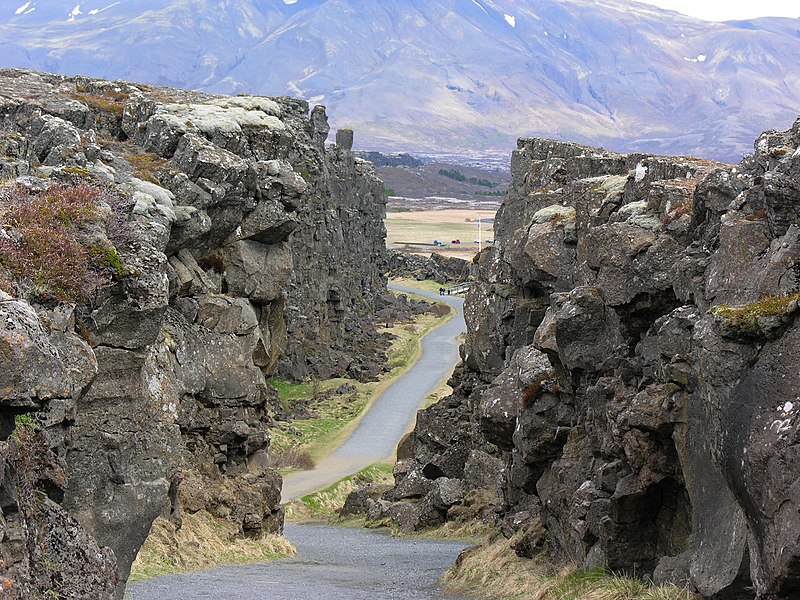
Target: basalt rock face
[(340, 266), (153, 395), (628, 396), (43, 547)]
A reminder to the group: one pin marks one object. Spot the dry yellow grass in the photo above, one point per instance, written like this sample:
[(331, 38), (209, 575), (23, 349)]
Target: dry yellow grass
[(203, 542), (493, 570)]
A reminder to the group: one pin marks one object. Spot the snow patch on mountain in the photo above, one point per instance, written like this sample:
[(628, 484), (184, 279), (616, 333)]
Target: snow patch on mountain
[(698, 58), (96, 11), (511, 20), (22, 8), (75, 12)]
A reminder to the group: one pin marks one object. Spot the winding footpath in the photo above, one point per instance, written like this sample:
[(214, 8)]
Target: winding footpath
[(393, 413), (338, 563)]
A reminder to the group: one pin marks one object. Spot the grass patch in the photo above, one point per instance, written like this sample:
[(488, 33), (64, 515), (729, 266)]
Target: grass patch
[(493, 570), (442, 225), (405, 347), (326, 414), (325, 504), (471, 532), (425, 285), (146, 166), (111, 102), (203, 542), (441, 392)]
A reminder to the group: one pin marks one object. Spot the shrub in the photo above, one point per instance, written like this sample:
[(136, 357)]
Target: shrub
[(677, 211), (758, 215), (441, 310), (292, 458), (47, 250), (6, 284), (213, 262), (532, 391)]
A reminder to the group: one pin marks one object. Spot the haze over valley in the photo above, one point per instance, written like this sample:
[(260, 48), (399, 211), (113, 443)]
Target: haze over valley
[(465, 77)]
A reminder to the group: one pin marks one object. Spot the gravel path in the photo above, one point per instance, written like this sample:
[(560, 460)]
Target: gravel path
[(339, 563), (333, 563), (393, 413)]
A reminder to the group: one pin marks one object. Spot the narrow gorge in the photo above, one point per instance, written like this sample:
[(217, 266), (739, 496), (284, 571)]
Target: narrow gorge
[(626, 401)]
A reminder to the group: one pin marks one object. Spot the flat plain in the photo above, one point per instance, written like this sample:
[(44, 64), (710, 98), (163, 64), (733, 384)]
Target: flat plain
[(425, 226)]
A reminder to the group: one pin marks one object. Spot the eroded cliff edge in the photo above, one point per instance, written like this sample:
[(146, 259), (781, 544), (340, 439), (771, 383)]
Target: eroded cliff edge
[(230, 219), (628, 396)]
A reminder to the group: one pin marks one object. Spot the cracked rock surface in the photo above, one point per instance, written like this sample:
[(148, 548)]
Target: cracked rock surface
[(252, 248), (628, 394)]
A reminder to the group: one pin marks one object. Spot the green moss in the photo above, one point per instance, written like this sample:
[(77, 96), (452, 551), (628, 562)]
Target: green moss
[(768, 307), (504, 290), (757, 318), (76, 171), (108, 258), (24, 420)]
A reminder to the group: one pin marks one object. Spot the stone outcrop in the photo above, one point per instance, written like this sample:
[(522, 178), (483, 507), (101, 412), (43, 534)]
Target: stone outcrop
[(402, 159), (628, 394), (436, 267), (152, 394)]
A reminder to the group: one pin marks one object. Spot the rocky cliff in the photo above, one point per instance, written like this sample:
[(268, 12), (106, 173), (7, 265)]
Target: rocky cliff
[(185, 233), (628, 394), (340, 266)]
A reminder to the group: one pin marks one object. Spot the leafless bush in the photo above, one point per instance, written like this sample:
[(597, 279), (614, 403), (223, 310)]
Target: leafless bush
[(292, 458), (46, 247)]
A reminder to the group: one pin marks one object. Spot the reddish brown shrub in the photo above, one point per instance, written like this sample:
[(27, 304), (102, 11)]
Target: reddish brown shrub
[(440, 309), (758, 215), (6, 284), (532, 391), (677, 211), (212, 263), (45, 249)]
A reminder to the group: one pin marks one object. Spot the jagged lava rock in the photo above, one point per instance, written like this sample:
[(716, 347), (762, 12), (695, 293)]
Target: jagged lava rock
[(250, 243), (631, 367)]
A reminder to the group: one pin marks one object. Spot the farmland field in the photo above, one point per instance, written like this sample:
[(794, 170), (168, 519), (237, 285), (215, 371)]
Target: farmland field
[(444, 225)]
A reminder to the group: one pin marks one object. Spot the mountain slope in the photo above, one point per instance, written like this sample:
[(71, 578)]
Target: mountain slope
[(464, 76)]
